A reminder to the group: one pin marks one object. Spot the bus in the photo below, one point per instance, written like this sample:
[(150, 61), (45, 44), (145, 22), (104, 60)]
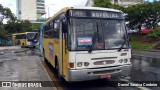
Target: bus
[(87, 43), (26, 39)]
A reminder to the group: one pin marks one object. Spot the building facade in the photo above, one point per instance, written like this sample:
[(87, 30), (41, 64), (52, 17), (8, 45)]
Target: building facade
[(119, 2), (30, 9), (126, 2)]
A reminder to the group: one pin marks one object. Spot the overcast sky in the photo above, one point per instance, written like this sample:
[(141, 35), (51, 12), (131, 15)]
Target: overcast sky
[(52, 5)]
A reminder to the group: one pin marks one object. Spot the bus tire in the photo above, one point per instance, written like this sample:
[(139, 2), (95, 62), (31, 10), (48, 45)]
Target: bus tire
[(22, 45), (57, 68), (56, 64), (45, 59), (34, 47)]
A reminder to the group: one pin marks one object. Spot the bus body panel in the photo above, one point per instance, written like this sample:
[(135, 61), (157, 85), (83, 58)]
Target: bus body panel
[(92, 74), (102, 59), (56, 52), (51, 50), (101, 62), (65, 61), (102, 67), (22, 42)]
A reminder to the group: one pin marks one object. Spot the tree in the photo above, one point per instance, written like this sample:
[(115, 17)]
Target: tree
[(19, 26), (102, 3), (5, 13), (146, 14)]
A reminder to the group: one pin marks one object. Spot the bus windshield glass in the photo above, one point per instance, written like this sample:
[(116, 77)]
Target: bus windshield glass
[(32, 36), (100, 34)]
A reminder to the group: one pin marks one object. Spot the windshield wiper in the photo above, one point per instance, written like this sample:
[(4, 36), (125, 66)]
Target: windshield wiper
[(122, 44), (95, 36)]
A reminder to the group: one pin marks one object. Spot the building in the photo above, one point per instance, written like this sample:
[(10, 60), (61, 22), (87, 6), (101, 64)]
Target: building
[(30, 9), (119, 2), (126, 2)]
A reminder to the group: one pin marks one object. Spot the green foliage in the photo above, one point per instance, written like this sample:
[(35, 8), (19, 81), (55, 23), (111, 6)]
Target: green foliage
[(5, 14), (13, 25), (102, 3), (36, 26), (137, 42), (140, 46), (155, 34), (145, 13)]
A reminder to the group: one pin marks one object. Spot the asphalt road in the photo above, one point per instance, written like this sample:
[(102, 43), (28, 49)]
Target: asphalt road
[(146, 70)]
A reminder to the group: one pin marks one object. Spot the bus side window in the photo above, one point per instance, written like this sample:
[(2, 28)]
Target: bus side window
[(56, 28)]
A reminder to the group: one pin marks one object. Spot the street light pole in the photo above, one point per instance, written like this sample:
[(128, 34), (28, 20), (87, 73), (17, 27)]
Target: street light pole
[(47, 6), (48, 13)]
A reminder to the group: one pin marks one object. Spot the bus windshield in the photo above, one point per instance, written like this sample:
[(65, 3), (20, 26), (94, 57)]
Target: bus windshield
[(97, 33), (32, 36)]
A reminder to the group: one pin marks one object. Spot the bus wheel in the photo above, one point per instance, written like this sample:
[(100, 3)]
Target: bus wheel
[(57, 68), (22, 45), (34, 47), (45, 59), (56, 64)]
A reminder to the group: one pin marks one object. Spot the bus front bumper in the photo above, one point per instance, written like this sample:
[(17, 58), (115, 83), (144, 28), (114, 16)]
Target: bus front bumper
[(91, 74)]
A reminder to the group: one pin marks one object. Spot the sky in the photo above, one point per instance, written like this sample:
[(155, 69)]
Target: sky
[(51, 5)]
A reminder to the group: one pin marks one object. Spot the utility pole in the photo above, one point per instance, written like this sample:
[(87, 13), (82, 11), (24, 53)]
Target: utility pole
[(48, 13)]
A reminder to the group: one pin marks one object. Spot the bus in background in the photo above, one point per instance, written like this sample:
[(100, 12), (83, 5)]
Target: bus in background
[(26, 39), (86, 43)]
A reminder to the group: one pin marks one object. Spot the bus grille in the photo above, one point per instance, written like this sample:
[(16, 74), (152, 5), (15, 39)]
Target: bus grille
[(107, 71), (104, 62)]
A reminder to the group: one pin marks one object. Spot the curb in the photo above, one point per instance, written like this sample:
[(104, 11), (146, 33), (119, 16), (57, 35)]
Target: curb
[(9, 47), (143, 57), (20, 51)]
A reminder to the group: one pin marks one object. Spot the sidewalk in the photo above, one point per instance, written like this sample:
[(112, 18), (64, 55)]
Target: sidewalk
[(146, 55), (11, 49), (25, 68)]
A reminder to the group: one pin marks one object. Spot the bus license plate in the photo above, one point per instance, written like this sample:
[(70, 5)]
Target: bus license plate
[(105, 76)]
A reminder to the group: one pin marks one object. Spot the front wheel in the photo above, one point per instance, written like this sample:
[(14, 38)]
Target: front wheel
[(22, 45), (45, 59), (56, 64), (34, 47)]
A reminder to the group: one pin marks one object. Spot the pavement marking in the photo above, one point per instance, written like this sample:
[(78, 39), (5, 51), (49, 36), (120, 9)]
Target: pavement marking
[(141, 88)]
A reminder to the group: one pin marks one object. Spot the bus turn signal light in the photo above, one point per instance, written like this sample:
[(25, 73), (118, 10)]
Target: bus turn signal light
[(71, 65)]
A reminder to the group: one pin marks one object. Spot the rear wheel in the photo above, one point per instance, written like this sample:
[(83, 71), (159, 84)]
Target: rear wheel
[(56, 64), (45, 59), (22, 45), (57, 68), (34, 47)]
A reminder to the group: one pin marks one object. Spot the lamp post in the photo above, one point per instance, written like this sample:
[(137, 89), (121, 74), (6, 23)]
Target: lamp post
[(48, 10)]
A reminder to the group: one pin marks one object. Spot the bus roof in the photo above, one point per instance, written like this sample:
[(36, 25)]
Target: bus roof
[(83, 8)]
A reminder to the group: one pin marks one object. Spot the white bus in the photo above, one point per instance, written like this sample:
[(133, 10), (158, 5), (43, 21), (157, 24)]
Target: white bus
[(86, 43)]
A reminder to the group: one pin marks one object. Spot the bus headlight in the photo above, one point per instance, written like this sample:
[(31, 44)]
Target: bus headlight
[(37, 43), (86, 64), (28, 43), (125, 60), (120, 61), (79, 64)]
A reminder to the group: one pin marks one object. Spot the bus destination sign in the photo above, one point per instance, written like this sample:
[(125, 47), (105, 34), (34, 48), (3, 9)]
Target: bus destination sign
[(105, 14), (96, 14)]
